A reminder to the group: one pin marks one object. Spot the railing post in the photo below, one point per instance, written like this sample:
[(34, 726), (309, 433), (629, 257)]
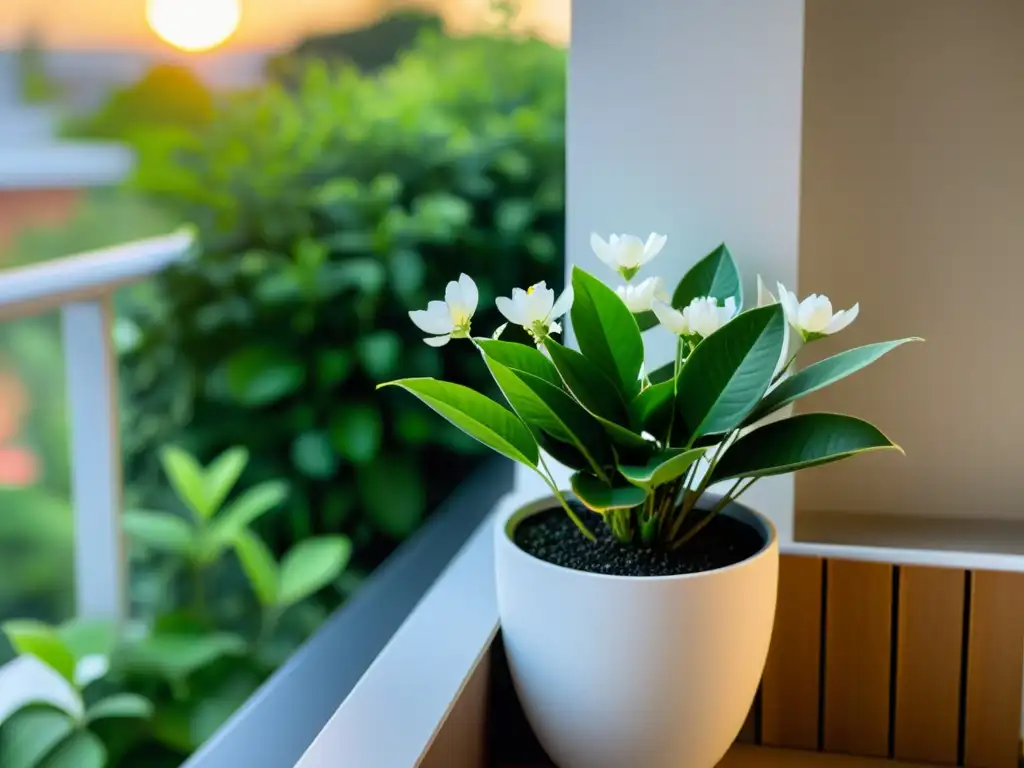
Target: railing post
[(92, 394)]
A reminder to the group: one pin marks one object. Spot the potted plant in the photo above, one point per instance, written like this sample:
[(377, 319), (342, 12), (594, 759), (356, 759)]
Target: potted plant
[(637, 607)]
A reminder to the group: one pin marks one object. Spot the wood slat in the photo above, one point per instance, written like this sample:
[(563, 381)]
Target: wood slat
[(760, 757), (790, 691), (928, 665), (858, 627), (995, 667), (461, 741)]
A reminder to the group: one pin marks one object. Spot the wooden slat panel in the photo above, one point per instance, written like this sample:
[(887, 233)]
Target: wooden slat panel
[(857, 658), (461, 741), (931, 617), (994, 670), (759, 757), (749, 733), (791, 686)]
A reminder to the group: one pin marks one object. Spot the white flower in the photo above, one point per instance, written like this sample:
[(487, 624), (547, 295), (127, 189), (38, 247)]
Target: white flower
[(535, 309), (764, 296), (701, 318), (448, 319), (764, 299), (638, 298), (813, 317), (627, 253)]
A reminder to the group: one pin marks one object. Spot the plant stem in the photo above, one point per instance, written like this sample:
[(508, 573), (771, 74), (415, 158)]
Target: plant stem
[(549, 479), (706, 519)]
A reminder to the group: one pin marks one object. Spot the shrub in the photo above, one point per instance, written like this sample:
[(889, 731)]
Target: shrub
[(324, 215)]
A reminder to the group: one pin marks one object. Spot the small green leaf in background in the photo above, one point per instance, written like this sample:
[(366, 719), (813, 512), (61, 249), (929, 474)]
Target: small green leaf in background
[(160, 531), (406, 272), (176, 656), (728, 373), (477, 415), (311, 565), (663, 468), (378, 353), (31, 734), (187, 479), (393, 495), (128, 705), (601, 497), (414, 426), (83, 749), (261, 375), (799, 442), (356, 432), (333, 367), (606, 332), (821, 374), (243, 512), (222, 474), (42, 641), (259, 566), (313, 455), (89, 637), (714, 275)]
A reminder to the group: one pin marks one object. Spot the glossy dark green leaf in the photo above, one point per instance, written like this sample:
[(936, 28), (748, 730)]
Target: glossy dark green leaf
[(662, 468), (645, 320), (662, 374), (606, 331), (802, 441), (520, 357), (651, 410), (726, 376), (588, 383), (714, 275), (821, 374), (476, 415), (601, 497), (564, 453), (546, 407)]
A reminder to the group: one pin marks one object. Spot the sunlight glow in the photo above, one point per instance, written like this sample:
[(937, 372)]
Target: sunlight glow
[(194, 25)]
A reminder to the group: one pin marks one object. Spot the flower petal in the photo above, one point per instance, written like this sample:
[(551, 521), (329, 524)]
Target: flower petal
[(789, 305), (539, 303), (437, 341), (454, 299), (842, 319), (602, 250), (629, 252), (671, 318), (653, 246), (563, 305), (514, 311), (764, 296), (435, 319), (470, 293)]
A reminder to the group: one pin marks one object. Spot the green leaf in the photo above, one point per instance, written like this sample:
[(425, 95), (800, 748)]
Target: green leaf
[(821, 374), (606, 332), (546, 407), (663, 468), (356, 432), (645, 320), (802, 441), (88, 637), (726, 376), (129, 705), (32, 734), (243, 512), (188, 480), (313, 455), (601, 497), (83, 749), (564, 453), (222, 474), (257, 376), (714, 275), (651, 410), (259, 566), (310, 565), (393, 495), (33, 638), (476, 415), (520, 357), (587, 382), (662, 374), (378, 353), (160, 531), (333, 367), (175, 656)]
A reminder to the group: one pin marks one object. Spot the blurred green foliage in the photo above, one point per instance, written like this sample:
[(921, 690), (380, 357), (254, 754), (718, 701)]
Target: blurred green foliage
[(325, 214)]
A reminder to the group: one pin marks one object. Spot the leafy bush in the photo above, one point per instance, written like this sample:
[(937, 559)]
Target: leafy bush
[(188, 661), (325, 215)]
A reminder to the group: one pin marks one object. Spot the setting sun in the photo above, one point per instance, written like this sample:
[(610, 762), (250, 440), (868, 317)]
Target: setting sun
[(194, 25)]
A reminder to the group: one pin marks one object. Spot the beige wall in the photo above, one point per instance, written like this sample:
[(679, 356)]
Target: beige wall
[(913, 204)]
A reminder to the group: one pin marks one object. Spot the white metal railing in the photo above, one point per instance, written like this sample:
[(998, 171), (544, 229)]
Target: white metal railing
[(81, 287)]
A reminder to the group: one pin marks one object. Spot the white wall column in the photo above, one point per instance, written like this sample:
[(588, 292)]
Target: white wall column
[(684, 117)]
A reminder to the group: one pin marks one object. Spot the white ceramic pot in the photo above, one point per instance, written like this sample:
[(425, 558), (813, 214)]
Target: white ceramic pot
[(632, 672)]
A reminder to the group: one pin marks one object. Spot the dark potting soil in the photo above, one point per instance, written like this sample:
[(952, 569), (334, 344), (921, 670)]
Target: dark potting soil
[(552, 536)]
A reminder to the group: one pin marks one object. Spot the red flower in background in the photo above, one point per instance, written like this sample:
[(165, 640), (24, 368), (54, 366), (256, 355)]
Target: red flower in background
[(19, 467)]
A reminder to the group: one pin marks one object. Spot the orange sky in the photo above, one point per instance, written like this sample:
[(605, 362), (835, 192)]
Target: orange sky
[(117, 23)]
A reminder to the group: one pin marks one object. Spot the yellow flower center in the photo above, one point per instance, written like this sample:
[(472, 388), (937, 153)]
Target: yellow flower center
[(530, 290)]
